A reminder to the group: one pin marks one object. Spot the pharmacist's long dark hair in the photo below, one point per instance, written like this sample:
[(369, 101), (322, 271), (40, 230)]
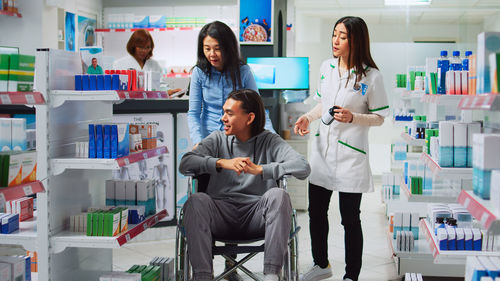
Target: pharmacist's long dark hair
[(229, 49), (359, 45)]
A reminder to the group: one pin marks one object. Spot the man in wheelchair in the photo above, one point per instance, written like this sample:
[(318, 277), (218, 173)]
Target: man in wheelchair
[(244, 162)]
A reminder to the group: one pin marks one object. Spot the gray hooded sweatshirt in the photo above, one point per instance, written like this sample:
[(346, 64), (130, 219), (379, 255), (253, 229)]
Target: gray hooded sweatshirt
[(267, 149)]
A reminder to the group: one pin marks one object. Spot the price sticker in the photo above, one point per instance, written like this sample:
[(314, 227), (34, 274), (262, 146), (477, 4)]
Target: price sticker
[(159, 95), (145, 155), (156, 219), (127, 162), (28, 190), (2, 199), (5, 99), (127, 237), (30, 99), (484, 218), (158, 151), (145, 226), (127, 95), (144, 95)]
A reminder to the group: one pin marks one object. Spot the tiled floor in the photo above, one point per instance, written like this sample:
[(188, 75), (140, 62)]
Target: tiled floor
[(377, 261)]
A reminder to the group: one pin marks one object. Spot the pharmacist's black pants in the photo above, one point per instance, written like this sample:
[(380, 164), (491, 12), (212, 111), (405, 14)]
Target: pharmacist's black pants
[(349, 203)]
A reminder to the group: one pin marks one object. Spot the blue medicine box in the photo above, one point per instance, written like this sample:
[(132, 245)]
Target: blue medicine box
[(100, 82), (85, 83), (78, 82), (92, 146), (107, 142), (99, 141), (115, 82), (10, 223), (107, 82), (92, 82)]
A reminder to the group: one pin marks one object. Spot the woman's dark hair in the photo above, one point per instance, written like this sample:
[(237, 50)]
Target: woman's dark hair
[(229, 49), (140, 38), (251, 102), (359, 45)]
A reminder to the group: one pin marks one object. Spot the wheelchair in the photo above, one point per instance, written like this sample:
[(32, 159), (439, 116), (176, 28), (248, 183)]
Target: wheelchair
[(290, 271)]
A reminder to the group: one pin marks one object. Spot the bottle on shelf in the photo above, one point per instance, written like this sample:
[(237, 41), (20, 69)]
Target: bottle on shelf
[(465, 61), (443, 66), (455, 61)]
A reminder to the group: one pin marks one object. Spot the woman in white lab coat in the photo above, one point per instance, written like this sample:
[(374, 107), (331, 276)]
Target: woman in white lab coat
[(140, 48), (352, 82)]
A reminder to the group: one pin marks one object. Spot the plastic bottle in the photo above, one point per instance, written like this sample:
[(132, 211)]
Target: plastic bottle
[(443, 67), (328, 116), (438, 224), (465, 61), (455, 61)]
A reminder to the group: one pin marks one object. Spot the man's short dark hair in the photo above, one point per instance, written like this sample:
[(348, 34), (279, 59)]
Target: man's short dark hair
[(251, 102)]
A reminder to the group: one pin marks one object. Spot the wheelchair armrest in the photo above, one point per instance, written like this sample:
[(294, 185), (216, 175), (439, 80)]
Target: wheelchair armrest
[(282, 182)]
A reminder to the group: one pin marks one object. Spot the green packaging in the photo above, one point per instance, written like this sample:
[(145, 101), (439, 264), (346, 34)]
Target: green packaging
[(4, 72), (89, 224), (21, 73)]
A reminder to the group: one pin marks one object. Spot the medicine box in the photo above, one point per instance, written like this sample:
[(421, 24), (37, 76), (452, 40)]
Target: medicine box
[(130, 193), (123, 139), (17, 267), (110, 193), (21, 73), (5, 272), (4, 72), (476, 239), (29, 164), (487, 43), (18, 135), (120, 193), (11, 168), (5, 134)]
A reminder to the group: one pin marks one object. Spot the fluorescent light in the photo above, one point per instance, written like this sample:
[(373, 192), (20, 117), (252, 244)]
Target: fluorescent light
[(407, 2)]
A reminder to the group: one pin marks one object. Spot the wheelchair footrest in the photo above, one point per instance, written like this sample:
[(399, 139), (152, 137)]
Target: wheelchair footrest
[(235, 249)]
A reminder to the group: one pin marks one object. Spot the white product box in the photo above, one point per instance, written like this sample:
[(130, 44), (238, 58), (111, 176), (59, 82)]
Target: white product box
[(72, 223), (5, 134), (476, 239), (406, 221), (130, 193), (120, 195), (5, 272), (29, 164), (495, 190), (472, 128), (459, 134), (468, 239), (445, 133), (452, 238), (460, 235), (488, 265), (442, 238), (472, 267), (110, 193), (17, 267), (19, 134), (483, 144)]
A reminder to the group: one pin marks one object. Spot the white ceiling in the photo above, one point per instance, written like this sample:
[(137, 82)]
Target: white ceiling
[(374, 11)]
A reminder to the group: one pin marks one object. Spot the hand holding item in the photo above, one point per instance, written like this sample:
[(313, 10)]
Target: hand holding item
[(343, 114), (301, 126)]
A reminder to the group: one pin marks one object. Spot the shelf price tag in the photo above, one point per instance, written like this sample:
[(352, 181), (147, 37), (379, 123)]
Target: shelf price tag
[(2, 199), (158, 151), (145, 226), (145, 155), (159, 95), (28, 190), (30, 99), (127, 237), (484, 218), (127, 95), (5, 99), (127, 162), (144, 95)]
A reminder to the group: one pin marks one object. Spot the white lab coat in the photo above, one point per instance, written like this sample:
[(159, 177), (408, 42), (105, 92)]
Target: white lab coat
[(339, 157), (130, 62)]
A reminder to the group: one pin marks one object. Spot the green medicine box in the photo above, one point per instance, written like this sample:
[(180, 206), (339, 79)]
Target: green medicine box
[(21, 73)]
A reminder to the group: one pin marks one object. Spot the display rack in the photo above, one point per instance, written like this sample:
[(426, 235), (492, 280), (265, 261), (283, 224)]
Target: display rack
[(29, 98), (21, 190), (66, 239), (446, 100), (25, 236), (439, 172), (405, 94), (425, 198), (482, 210), (445, 256), (58, 97), (480, 102), (412, 140), (59, 165), (148, 29), (11, 14)]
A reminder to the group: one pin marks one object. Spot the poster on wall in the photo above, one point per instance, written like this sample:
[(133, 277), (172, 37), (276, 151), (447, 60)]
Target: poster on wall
[(256, 22), (69, 31), (86, 31), (160, 169)]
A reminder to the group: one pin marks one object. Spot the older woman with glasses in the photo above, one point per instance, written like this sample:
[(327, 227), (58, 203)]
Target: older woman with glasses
[(140, 48)]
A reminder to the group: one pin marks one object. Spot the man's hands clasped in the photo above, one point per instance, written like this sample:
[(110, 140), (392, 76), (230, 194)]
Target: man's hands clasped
[(240, 165)]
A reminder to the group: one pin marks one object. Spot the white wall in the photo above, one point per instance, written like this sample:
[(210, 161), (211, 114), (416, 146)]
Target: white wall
[(493, 23)]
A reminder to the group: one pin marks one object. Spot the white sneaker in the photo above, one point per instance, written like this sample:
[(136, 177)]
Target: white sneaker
[(348, 279), (271, 277), (317, 273)]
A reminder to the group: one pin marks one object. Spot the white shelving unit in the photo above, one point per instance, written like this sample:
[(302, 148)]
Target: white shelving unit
[(74, 184), (26, 236), (482, 210), (411, 140), (439, 172)]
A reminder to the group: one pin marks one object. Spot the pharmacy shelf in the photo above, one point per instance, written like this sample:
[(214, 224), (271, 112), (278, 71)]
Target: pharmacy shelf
[(18, 191), (59, 165), (412, 140), (449, 198), (11, 14), (58, 97), (445, 256), (421, 249), (438, 171), (447, 100), (481, 209), (25, 236), (406, 95), (103, 30), (480, 102), (7, 98), (65, 239)]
